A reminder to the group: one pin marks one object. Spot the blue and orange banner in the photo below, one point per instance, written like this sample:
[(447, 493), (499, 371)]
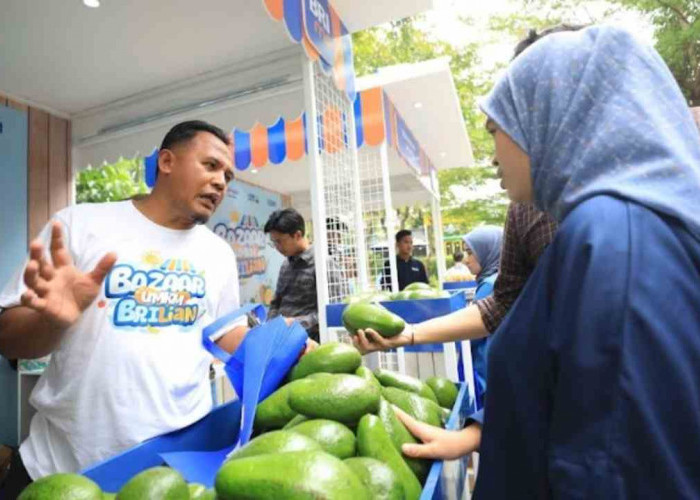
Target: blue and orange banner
[(285, 140), (376, 120), (315, 25)]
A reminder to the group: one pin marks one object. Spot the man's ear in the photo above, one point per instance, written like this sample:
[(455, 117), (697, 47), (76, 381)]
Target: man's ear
[(166, 161)]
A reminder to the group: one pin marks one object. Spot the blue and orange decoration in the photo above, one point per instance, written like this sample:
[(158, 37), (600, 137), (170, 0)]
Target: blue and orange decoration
[(315, 25), (376, 120)]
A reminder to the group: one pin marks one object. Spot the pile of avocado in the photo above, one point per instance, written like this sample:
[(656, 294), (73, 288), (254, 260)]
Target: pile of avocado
[(328, 433), (331, 433), (414, 291), (156, 483)]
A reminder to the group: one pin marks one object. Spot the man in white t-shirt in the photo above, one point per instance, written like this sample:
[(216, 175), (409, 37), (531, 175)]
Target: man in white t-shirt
[(118, 293)]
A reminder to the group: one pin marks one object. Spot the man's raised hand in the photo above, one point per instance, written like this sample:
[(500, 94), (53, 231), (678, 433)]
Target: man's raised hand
[(57, 289)]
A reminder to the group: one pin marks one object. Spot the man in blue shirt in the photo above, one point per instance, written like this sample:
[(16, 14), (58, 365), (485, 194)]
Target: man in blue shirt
[(409, 270)]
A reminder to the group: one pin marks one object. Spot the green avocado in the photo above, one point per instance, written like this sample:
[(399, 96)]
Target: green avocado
[(373, 441), (368, 297), (156, 483), (334, 357), (399, 436), (418, 407), (403, 295), (367, 374), (334, 437), (62, 487), (445, 390), (295, 421), (411, 384), (301, 475), (343, 398), (378, 477), (425, 294), (275, 442), (363, 315), (200, 492), (417, 286), (274, 412)]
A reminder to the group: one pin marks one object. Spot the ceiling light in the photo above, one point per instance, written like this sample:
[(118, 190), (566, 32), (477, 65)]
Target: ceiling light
[(417, 104), (253, 170), (442, 154), (92, 3)]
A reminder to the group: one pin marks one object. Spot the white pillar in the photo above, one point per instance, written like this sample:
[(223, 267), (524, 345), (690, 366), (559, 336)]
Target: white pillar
[(390, 218), (437, 229), (318, 204), (390, 221)]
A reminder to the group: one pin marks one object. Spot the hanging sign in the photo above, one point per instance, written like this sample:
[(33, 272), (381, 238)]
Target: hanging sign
[(407, 145), (240, 220)]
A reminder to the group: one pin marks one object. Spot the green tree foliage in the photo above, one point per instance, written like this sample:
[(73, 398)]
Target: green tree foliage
[(111, 182), (405, 42), (677, 33), (676, 26), (465, 216)]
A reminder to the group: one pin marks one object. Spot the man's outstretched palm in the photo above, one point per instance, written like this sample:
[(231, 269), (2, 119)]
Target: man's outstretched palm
[(57, 289)]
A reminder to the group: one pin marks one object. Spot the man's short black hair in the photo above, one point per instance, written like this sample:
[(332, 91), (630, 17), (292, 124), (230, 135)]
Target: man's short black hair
[(402, 234), (533, 36), (458, 256), (185, 131), (286, 221)]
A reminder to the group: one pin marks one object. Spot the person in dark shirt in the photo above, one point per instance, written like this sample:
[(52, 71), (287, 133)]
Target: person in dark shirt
[(295, 295), (409, 270)]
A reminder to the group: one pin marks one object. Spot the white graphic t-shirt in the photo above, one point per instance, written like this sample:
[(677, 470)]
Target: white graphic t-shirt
[(133, 366)]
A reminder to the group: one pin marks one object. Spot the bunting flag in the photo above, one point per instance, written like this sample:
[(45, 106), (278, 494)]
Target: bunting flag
[(150, 164), (316, 25), (370, 120), (376, 120)]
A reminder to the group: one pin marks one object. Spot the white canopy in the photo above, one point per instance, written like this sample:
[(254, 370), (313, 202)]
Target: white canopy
[(69, 59)]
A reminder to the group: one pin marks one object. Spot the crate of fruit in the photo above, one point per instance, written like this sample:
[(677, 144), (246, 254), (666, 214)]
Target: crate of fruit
[(329, 429), (413, 306)]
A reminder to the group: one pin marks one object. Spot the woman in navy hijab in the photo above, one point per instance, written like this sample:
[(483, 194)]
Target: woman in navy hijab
[(594, 375), (483, 256)]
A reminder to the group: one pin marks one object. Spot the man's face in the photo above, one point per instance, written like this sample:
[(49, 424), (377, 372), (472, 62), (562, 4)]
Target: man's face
[(287, 244), (513, 165), (405, 246), (199, 171)]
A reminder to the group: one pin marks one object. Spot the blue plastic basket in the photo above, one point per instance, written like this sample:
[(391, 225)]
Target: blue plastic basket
[(412, 311), (219, 429), (215, 431), (440, 484), (458, 285)]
